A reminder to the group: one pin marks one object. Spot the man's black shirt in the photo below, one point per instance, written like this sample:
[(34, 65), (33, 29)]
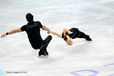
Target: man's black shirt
[(33, 32)]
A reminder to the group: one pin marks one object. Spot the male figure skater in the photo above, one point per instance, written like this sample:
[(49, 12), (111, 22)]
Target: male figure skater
[(32, 29)]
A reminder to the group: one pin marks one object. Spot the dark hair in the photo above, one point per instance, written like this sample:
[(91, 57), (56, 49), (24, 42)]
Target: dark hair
[(29, 17)]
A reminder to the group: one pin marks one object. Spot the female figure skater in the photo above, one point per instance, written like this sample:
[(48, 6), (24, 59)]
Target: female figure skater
[(70, 34)]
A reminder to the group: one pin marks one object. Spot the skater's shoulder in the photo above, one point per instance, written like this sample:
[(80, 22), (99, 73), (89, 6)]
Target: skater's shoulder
[(25, 25), (37, 21), (74, 28)]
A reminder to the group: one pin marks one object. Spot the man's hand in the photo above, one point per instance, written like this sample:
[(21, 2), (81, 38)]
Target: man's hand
[(11, 32), (3, 35), (46, 29)]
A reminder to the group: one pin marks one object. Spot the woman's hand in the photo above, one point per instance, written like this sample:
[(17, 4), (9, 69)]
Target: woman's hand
[(3, 35)]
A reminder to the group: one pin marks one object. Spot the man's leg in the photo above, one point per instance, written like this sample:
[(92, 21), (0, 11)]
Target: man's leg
[(46, 42), (83, 35), (43, 50)]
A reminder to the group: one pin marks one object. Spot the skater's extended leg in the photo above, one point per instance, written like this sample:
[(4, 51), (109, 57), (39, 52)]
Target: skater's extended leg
[(43, 50), (46, 42), (83, 35)]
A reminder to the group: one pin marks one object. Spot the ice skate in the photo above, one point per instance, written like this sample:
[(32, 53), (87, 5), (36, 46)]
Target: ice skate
[(43, 52), (88, 38)]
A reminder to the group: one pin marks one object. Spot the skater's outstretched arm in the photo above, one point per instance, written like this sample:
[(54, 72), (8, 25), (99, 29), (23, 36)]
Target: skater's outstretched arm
[(11, 32), (68, 39), (57, 34)]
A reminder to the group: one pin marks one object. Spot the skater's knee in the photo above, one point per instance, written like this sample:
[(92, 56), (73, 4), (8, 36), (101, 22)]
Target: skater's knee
[(50, 37), (64, 29), (69, 44), (35, 48)]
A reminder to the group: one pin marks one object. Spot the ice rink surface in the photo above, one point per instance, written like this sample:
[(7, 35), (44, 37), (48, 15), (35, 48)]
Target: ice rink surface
[(94, 17)]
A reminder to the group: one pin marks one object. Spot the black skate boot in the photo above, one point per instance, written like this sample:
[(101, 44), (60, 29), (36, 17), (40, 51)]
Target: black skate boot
[(46, 52), (43, 52), (88, 38)]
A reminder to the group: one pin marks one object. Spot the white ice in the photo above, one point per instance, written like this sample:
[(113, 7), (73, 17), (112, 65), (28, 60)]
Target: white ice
[(94, 17)]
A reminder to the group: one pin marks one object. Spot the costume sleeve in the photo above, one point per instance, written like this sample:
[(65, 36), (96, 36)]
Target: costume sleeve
[(23, 28), (39, 23)]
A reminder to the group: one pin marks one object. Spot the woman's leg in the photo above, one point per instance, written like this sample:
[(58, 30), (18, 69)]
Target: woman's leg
[(83, 35)]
